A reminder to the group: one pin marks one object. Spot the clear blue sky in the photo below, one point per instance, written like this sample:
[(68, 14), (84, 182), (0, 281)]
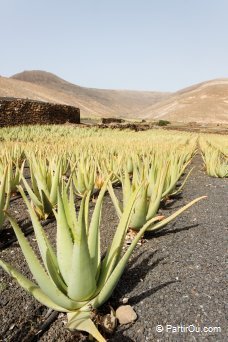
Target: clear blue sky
[(123, 44)]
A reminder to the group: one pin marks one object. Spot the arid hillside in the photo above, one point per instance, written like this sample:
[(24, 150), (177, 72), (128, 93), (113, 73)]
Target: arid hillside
[(40, 85), (204, 102)]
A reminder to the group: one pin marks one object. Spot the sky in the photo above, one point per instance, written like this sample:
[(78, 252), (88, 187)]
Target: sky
[(162, 45)]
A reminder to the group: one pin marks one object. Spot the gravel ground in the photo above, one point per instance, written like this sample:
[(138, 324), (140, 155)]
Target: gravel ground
[(175, 280)]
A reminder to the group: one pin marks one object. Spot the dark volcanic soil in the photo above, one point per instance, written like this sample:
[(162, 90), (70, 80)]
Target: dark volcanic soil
[(176, 278)]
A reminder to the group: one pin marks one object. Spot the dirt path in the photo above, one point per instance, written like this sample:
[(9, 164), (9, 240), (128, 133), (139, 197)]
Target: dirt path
[(177, 277)]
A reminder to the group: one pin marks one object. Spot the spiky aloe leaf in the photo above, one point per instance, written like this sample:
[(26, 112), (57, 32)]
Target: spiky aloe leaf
[(31, 287), (127, 188), (138, 217), (81, 271), (112, 281), (94, 229), (32, 195), (183, 183), (156, 196), (115, 200), (174, 215), (69, 206), (46, 249), (110, 284), (49, 288), (41, 237), (3, 205), (47, 206), (55, 183), (64, 241), (33, 181), (87, 211), (81, 320), (113, 253)]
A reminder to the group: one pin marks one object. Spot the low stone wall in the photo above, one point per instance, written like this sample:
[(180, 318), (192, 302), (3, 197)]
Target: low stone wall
[(15, 112), (111, 120)]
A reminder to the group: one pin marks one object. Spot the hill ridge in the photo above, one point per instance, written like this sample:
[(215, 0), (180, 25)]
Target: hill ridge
[(203, 102)]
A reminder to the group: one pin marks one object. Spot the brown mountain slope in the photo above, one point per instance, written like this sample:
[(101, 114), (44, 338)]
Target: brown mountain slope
[(21, 89), (204, 102), (92, 102)]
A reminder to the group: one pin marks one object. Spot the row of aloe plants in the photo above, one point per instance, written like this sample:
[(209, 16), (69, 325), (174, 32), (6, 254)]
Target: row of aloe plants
[(72, 277), (214, 151), (75, 279), (87, 172)]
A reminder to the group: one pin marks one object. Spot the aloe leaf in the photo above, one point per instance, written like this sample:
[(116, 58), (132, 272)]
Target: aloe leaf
[(33, 182), (115, 200), (112, 256), (183, 183), (47, 205), (174, 215), (81, 187), (71, 214), (81, 321), (82, 282), (42, 184), (112, 281), (67, 210), (55, 183), (43, 280), (87, 211), (31, 287), (109, 286), (156, 195), (63, 241), (8, 195), (94, 229), (126, 188), (2, 197), (46, 249), (54, 273), (138, 217), (32, 195)]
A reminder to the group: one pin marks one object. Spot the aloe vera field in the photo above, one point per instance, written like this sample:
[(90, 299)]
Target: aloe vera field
[(95, 220)]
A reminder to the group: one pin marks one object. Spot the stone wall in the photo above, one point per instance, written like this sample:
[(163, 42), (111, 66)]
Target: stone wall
[(111, 120), (15, 112)]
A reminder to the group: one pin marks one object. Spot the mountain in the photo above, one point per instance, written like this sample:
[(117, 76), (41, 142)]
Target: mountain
[(203, 102), (92, 102)]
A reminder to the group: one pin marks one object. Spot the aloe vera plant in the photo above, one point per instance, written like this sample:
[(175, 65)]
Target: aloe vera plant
[(214, 151), (83, 175), (148, 200), (176, 168), (44, 184), (146, 205), (216, 162), (74, 280), (15, 170), (15, 176)]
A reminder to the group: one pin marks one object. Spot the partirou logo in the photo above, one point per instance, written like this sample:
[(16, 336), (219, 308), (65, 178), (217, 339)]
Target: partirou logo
[(190, 328)]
